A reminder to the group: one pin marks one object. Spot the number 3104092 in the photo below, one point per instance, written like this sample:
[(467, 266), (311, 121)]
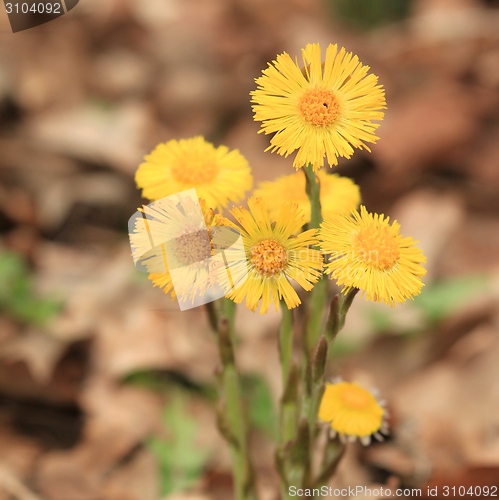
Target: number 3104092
[(36, 8)]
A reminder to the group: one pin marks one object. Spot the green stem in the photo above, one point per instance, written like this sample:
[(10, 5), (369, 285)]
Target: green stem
[(318, 295), (231, 416), (288, 429), (299, 458), (228, 310), (288, 401), (315, 346), (212, 308), (314, 314), (340, 304), (286, 343), (316, 368), (313, 322), (313, 192)]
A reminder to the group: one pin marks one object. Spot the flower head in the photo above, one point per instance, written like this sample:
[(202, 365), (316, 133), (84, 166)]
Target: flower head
[(338, 195), (352, 412), (275, 252), (174, 239), (323, 109), (368, 253), (217, 174)]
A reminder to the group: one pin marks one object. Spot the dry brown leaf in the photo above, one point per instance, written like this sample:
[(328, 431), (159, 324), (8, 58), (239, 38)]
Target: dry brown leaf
[(55, 201), (448, 412), (93, 134), (19, 453), (10, 483), (38, 350), (453, 19), (188, 496), (474, 248), (119, 419), (431, 218), (424, 126), (135, 480), (91, 285), (141, 337)]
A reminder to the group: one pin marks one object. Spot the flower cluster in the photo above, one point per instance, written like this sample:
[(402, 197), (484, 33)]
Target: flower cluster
[(321, 110)]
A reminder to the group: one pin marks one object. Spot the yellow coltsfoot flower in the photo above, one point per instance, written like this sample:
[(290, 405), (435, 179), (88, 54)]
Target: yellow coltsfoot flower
[(338, 195), (368, 253), (275, 253), (175, 234), (321, 109), (353, 412), (218, 175)]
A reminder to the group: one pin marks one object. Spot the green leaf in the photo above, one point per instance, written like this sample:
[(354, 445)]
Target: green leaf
[(366, 14), (262, 413), (381, 320), (180, 458), (162, 381), (441, 299), (343, 347), (12, 272), (16, 295)]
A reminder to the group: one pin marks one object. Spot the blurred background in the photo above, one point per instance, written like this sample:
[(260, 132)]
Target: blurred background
[(106, 392)]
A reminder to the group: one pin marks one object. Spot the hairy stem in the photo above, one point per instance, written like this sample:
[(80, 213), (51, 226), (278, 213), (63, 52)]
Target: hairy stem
[(318, 340), (288, 401), (286, 343), (231, 416), (338, 309), (318, 295), (313, 192)]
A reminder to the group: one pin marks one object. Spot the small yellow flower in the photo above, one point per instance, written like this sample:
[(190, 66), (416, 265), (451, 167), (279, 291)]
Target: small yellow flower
[(339, 195), (323, 109), (368, 253), (275, 253), (352, 412), (217, 174)]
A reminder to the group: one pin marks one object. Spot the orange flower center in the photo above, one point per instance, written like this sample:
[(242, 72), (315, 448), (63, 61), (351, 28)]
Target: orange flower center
[(319, 107), (193, 247), (195, 170), (269, 257), (377, 247)]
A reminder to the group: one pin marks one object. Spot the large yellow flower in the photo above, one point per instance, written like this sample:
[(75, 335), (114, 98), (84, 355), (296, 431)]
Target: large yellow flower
[(368, 253), (275, 253), (217, 174), (323, 109), (338, 195), (352, 412)]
